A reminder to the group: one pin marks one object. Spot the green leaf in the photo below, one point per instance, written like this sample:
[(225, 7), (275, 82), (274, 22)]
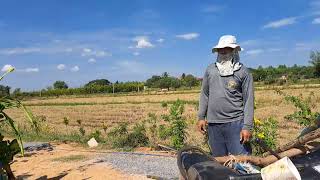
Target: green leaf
[(16, 131)]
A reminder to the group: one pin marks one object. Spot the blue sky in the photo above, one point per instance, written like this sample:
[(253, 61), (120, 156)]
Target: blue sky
[(78, 41)]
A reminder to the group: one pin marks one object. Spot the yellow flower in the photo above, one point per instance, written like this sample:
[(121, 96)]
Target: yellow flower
[(260, 135), (257, 122)]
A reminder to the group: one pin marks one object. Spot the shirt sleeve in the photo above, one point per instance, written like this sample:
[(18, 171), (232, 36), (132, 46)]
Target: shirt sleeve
[(204, 97), (248, 100)]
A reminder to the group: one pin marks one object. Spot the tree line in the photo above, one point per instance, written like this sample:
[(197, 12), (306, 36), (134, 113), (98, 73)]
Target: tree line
[(266, 75)]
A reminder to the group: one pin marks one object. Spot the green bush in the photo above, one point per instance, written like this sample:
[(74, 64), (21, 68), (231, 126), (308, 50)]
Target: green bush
[(266, 130), (96, 135), (177, 124), (164, 104), (164, 132), (303, 114), (122, 138)]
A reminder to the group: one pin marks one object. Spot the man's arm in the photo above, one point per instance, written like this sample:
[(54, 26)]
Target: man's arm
[(203, 104), (248, 101), (204, 98)]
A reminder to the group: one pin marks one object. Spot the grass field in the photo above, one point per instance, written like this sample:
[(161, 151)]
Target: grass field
[(100, 111)]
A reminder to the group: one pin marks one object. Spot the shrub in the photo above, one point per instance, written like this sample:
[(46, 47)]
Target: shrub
[(66, 121), (122, 138), (177, 124), (82, 131), (151, 129), (164, 104), (96, 135), (138, 136), (303, 114), (265, 130)]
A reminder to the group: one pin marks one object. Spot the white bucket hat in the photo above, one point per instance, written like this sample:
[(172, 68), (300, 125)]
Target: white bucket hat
[(226, 41)]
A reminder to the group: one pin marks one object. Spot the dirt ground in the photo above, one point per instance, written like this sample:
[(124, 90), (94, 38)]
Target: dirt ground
[(66, 161)]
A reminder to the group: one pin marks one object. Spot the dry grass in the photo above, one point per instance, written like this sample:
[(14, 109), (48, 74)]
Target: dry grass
[(269, 104)]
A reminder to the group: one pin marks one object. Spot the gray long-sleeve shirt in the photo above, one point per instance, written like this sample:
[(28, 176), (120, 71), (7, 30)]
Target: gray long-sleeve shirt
[(227, 99)]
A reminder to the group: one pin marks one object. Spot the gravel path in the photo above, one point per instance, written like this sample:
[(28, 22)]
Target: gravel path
[(135, 163)]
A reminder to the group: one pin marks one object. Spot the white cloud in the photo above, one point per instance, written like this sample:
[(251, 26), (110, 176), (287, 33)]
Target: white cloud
[(96, 53), (255, 51), (188, 36), (61, 66), (30, 70), (75, 69), (316, 21), (87, 50), (160, 40), (281, 22), (143, 42), (13, 51), (6, 67), (92, 60), (136, 53)]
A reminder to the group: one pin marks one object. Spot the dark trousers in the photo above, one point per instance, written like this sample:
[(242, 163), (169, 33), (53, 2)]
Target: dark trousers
[(224, 139)]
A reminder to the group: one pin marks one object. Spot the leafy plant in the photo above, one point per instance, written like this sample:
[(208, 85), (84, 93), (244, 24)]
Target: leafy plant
[(10, 148), (164, 104), (79, 122), (177, 124), (303, 114), (122, 138), (265, 130), (151, 129), (82, 131), (66, 121), (104, 127), (96, 135)]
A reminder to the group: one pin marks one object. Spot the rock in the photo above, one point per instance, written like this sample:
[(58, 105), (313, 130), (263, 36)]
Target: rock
[(92, 143)]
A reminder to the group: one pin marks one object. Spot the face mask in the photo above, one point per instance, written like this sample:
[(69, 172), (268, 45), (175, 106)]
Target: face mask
[(224, 57), (228, 63)]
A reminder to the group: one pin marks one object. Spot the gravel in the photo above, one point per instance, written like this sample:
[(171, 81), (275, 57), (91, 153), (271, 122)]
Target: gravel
[(36, 146), (146, 164)]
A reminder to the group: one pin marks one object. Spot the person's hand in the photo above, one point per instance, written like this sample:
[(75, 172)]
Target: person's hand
[(245, 136), (202, 126)]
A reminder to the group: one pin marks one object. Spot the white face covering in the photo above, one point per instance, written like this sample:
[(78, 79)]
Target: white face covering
[(228, 63)]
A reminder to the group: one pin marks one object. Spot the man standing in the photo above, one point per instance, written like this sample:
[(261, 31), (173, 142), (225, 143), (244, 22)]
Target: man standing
[(227, 101)]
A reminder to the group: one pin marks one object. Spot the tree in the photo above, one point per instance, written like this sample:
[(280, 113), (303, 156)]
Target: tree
[(183, 75), (60, 85), (165, 74), (190, 80), (315, 61), (16, 92), (175, 83), (4, 91), (98, 82), (153, 81), (165, 83)]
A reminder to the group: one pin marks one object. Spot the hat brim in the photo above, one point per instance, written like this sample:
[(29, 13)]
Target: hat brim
[(233, 46)]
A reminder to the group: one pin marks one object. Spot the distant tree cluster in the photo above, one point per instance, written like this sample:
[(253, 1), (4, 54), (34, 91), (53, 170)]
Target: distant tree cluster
[(282, 73), (166, 82)]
